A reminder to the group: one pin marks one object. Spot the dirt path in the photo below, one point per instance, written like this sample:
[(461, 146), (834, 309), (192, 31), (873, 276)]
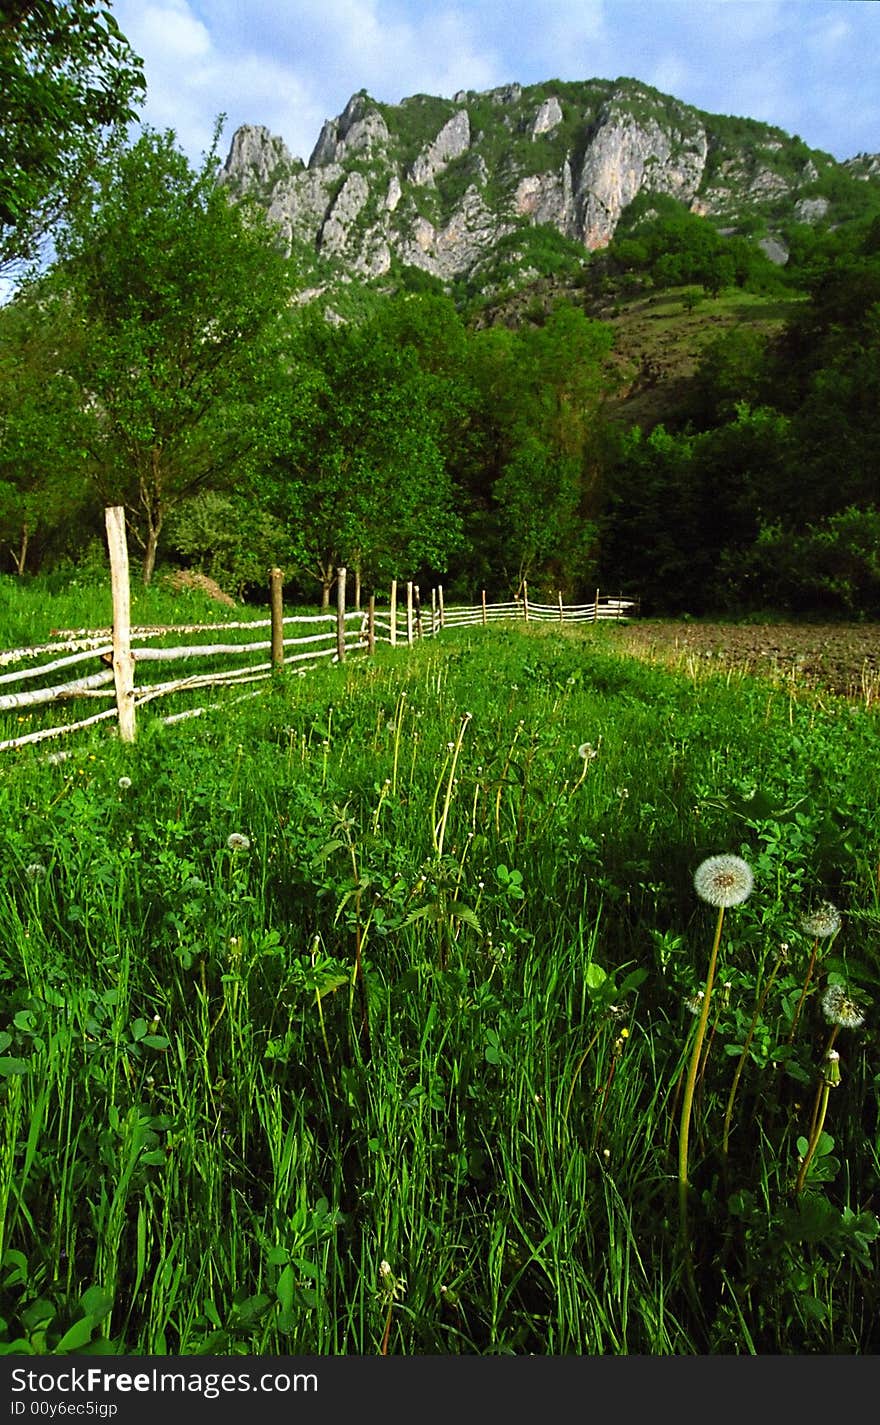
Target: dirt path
[(841, 658)]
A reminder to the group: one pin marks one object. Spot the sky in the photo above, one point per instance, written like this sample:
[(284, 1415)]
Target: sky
[(812, 67)]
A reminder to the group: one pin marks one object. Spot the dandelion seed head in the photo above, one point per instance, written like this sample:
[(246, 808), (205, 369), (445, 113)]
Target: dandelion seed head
[(124, 783), (587, 751), (840, 1008), (723, 880), (694, 1003), (35, 871), (823, 922), (237, 841)]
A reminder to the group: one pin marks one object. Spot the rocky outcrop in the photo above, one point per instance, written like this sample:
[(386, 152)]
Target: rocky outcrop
[(453, 140), (360, 129), (626, 156), (438, 184)]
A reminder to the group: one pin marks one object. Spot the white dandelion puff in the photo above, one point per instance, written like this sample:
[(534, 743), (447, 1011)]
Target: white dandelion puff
[(724, 880), (823, 922), (840, 1008), (237, 841)]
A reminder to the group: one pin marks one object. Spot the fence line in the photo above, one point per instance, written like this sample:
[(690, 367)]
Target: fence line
[(346, 631)]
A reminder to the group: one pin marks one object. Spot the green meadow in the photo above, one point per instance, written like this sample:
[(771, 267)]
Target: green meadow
[(362, 1017)]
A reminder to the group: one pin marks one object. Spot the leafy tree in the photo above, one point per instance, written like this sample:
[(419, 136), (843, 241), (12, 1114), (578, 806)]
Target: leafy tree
[(542, 390), (361, 478), (178, 294), (68, 85), (44, 496)]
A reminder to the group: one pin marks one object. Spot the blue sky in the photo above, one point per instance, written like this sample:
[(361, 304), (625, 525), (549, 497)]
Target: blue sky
[(810, 66)]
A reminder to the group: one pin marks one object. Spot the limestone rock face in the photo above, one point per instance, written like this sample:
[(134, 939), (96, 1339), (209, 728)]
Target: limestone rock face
[(627, 156), (359, 129), (453, 140), (258, 155), (458, 187), (547, 117)]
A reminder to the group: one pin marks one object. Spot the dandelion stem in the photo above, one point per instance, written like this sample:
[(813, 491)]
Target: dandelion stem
[(800, 1003), (829, 1080), (688, 1099)]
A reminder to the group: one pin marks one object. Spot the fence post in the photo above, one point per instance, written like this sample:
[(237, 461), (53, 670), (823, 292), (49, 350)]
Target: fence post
[(392, 612), (340, 614), (484, 607), (276, 580), (596, 608), (409, 612), (123, 658), (417, 608), (561, 614), (371, 625), (525, 601), (433, 609), (440, 604)]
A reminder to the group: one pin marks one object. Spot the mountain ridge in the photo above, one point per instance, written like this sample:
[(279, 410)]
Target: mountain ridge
[(495, 184)]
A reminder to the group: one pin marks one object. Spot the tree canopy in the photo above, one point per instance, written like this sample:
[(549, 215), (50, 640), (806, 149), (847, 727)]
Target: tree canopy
[(176, 294), (69, 85)]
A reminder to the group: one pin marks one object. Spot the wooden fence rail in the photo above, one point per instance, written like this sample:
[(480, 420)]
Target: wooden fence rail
[(123, 650)]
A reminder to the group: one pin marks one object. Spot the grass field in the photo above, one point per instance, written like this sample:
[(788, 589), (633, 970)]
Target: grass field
[(369, 1017)]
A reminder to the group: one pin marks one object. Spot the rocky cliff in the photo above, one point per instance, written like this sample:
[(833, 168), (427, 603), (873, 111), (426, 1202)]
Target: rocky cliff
[(449, 186)]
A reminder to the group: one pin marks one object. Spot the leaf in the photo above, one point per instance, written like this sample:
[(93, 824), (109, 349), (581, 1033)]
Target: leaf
[(464, 912), (78, 1336), (595, 976)]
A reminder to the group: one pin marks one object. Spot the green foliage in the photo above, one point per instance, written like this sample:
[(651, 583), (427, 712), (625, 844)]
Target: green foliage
[(171, 296), (69, 83), (229, 538), (185, 1095)]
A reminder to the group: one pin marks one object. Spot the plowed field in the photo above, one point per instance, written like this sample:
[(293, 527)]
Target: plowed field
[(839, 658)]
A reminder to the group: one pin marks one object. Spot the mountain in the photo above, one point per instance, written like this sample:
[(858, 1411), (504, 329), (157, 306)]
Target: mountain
[(508, 184)]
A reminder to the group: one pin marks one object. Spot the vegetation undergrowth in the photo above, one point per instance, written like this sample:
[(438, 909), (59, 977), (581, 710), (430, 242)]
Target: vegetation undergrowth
[(357, 1020)]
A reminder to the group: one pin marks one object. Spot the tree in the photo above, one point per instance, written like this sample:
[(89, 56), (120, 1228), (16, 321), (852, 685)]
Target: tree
[(68, 85), (362, 478), (43, 487), (544, 386), (178, 292)]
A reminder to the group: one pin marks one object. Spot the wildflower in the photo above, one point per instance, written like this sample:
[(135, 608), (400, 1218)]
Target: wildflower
[(35, 871), (587, 751), (723, 880), (840, 1009), (391, 1285), (694, 1003), (823, 922), (124, 783), (238, 841)]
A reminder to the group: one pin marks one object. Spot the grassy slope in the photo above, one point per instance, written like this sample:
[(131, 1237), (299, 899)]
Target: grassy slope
[(219, 1159), (658, 343)]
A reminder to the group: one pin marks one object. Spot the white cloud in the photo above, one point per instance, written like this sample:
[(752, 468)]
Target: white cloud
[(291, 64)]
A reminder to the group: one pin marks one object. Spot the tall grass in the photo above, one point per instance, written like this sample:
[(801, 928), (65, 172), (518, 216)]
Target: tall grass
[(399, 1068)]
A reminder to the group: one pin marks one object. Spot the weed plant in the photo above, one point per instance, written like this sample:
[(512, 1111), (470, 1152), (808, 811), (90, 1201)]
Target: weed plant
[(356, 1020)]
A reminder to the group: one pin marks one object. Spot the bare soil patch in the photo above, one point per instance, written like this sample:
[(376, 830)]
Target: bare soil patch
[(840, 658)]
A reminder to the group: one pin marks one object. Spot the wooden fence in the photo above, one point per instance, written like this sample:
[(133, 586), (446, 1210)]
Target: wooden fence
[(301, 640)]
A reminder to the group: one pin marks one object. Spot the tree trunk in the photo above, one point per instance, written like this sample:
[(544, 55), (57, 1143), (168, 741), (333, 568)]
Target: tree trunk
[(21, 557), (150, 548)]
